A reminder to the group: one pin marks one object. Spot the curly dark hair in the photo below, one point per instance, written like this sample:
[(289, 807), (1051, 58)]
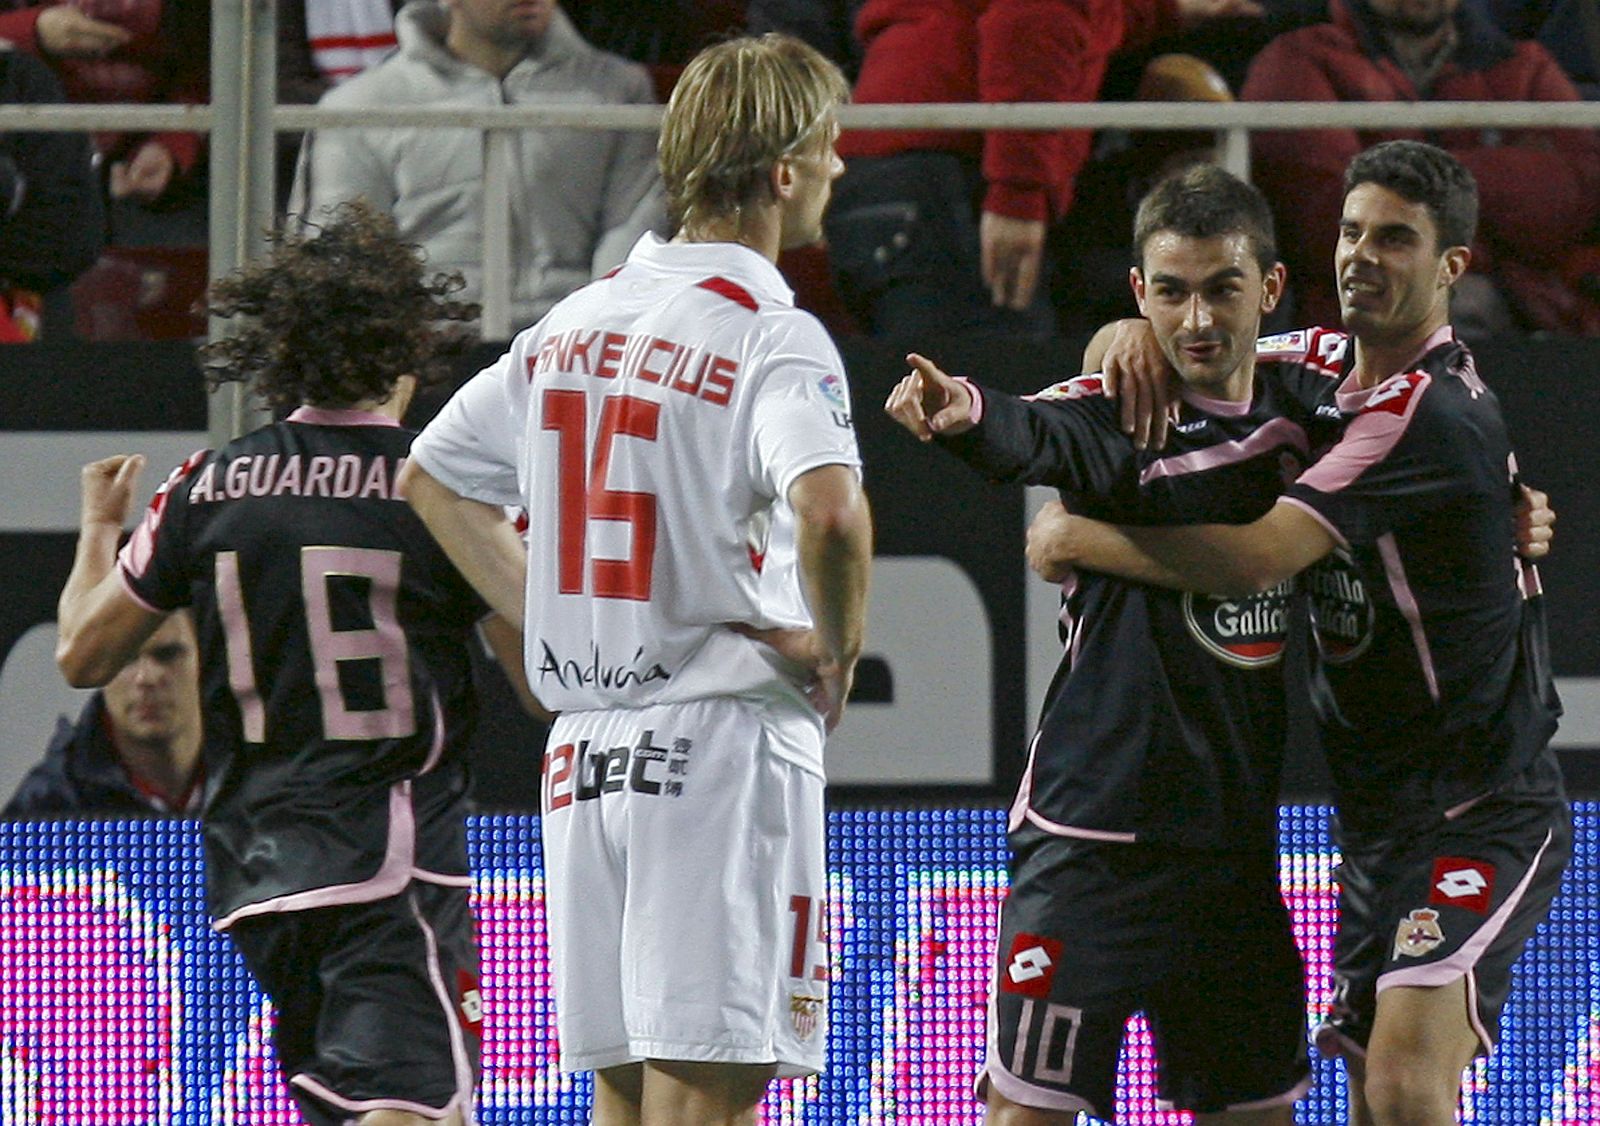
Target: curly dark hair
[(1425, 174), (336, 315)]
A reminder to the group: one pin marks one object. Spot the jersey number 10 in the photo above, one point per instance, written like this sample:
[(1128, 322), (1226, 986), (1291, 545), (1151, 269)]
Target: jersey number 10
[(582, 494)]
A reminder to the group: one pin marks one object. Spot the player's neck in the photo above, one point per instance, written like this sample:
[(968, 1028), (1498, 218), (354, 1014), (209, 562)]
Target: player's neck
[(1377, 360), (757, 227)]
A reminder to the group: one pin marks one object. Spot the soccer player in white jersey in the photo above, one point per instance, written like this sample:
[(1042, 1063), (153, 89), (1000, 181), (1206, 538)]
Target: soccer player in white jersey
[(694, 587)]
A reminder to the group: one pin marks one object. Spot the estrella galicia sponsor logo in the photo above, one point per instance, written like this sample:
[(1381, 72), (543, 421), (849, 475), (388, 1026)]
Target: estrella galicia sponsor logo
[(581, 772), (598, 673), (1341, 611), (1247, 632)]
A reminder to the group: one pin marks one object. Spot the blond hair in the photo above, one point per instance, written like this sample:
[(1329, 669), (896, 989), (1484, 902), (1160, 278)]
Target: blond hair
[(740, 106)]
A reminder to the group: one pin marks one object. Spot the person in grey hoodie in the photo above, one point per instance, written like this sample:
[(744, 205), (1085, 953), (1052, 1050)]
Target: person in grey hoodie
[(580, 198)]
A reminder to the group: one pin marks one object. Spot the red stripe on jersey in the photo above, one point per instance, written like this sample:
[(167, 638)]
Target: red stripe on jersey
[(738, 294), (609, 274)]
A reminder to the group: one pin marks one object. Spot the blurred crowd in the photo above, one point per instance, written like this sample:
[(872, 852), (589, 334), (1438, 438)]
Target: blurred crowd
[(102, 236)]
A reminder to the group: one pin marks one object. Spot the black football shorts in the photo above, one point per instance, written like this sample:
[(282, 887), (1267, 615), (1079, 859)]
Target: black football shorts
[(377, 1003), (1456, 898), (1200, 942)]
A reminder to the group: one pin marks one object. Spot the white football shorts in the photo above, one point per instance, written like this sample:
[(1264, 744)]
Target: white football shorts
[(685, 886)]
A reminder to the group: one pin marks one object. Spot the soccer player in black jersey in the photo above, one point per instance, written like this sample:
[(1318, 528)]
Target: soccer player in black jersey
[(1144, 835), (336, 688), (1437, 708)]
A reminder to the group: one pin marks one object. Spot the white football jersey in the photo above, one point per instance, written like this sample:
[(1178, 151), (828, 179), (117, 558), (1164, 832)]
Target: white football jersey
[(651, 425)]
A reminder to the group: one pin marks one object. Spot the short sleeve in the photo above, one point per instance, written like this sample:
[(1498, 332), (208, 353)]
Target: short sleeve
[(1394, 465), (154, 561), (801, 418), (471, 446)]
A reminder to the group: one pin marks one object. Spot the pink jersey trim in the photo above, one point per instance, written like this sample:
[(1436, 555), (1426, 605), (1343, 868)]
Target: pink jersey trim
[(1406, 601), (1457, 810), (452, 1019), (1019, 805), (1368, 439), (390, 879), (324, 416), (975, 415), (1327, 525), (1061, 830), (1446, 970), (1528, 579), (1278, 432), (440, 878), (436, 751), (1026, 1094), (1224, 408), (362, 1106)]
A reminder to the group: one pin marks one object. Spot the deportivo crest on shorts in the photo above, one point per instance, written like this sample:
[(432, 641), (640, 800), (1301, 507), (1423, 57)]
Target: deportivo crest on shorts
[(1031, 966), (1460, 882), (805, 1011), (1248, 632), (471, 1002), (1418, 934)]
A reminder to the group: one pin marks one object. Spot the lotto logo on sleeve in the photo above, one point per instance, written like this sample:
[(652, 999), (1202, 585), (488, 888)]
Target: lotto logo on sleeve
[(1030, 968), (1460, 882)]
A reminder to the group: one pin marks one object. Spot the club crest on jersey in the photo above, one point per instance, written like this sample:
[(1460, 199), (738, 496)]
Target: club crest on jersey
[(1078, 387), (1342, 614), (805, 1013), (1460, 882), (1418, 934), (1246, 632), (1031, 967)]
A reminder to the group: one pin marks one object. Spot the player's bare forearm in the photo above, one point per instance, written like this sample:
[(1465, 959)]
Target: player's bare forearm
[(504, 640), (477, 537), (99, 627), (1058, 542), (834, 542), (1224, 559)]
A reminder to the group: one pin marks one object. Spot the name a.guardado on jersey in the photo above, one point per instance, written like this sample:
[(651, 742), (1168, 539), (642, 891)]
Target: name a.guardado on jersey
[(1341, 612), (280, 475), (578, 774), (1248, 632), (624, 355), (574, 674)]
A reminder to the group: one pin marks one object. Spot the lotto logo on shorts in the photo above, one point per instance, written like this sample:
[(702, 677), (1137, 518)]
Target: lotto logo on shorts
[(1460, 882), (471, 1002), (1031, 967)]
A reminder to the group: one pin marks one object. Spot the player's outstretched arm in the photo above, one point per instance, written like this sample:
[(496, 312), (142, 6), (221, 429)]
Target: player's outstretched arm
[(834, 539), (1223, 559), (477, 537), (100, 625), (929, 402)]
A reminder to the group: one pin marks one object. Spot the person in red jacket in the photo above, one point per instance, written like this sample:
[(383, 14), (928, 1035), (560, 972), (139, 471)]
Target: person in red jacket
[(940, 231), (1539, 188), (136, 51)]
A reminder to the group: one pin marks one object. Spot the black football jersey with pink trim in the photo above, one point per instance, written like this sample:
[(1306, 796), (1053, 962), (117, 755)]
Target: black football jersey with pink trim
[(335, 672), (1436, 687), (1165, 721)]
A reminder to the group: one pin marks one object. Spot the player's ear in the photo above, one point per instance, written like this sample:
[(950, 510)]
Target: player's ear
[(1272, 283), (1453, 263), (782, 179), (1136, 282)]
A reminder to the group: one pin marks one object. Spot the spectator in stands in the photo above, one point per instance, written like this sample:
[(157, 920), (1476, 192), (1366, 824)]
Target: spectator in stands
[(1539, 188), (135, 750), (52, 223), (940, 231), (133, 51), (1569, 30), (580, 198)]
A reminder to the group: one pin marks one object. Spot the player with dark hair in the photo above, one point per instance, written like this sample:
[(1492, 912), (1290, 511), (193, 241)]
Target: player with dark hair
[(1433, 685), (336, 686), (1144, 835), (681, 437)]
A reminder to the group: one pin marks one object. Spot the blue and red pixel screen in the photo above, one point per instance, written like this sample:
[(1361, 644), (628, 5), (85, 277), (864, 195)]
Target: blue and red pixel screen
[(118, 1005)]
